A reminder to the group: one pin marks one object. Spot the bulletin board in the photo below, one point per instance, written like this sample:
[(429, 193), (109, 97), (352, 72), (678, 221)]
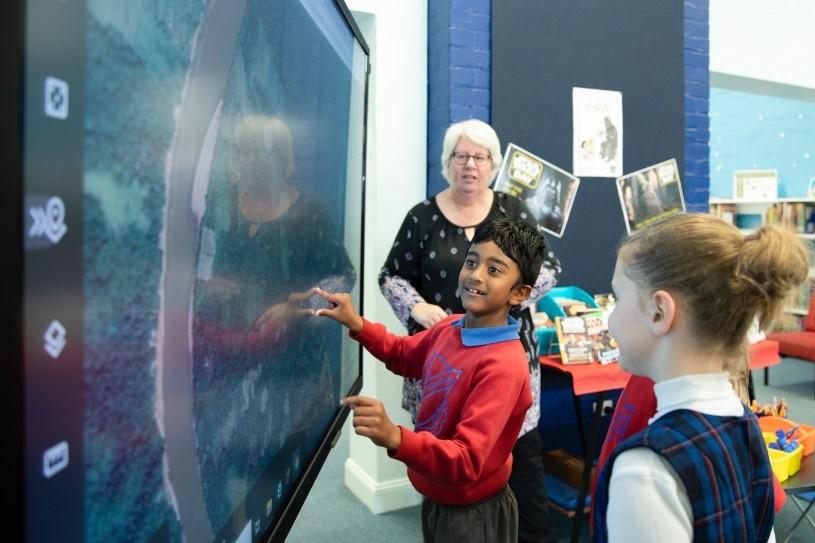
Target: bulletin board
[(540, 51)]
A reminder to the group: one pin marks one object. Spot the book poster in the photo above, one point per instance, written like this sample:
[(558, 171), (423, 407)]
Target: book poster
[(597, 117), (586, 338), (546, 190), (650, 194)]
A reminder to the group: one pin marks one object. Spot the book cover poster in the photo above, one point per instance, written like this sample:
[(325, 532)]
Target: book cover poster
[(597, 117), (574, 341), (547, 190), (604, 347), (650, 194)]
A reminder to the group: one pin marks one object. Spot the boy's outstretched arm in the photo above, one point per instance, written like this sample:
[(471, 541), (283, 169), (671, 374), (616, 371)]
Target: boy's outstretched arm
[(371, 420), (341, 310)]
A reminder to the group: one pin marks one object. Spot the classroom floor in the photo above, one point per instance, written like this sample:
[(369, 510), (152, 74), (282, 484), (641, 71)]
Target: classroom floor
[(332, 514)]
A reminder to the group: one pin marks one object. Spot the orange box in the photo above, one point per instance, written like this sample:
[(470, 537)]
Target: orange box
[(805, 434)]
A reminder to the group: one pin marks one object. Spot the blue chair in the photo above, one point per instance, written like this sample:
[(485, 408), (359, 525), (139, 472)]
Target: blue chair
[(798, 499), (563, 497)]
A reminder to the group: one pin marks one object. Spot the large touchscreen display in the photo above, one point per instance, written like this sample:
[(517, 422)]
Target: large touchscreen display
[(192, 171)]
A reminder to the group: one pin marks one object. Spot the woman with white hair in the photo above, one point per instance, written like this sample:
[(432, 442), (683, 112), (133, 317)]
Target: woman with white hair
[(420, 280)]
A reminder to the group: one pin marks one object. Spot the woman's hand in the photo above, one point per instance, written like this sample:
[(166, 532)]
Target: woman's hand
[(371, 420), (341, 310), (427, 314), (276, 320)]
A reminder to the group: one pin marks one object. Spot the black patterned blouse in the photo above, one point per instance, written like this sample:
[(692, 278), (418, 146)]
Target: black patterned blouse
[(425, 260)]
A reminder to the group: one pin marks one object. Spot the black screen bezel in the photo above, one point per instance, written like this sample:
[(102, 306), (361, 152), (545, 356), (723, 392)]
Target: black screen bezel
[(11, 286)]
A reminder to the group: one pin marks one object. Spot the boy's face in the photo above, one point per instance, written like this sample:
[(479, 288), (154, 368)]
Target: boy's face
[(490, 284)]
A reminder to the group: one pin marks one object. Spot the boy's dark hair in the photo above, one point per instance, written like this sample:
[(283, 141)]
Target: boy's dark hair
[(520, 241)]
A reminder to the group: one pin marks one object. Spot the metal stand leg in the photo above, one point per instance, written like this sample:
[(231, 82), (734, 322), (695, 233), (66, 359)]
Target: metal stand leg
[(801, 518), (766, 376), (588, 460)]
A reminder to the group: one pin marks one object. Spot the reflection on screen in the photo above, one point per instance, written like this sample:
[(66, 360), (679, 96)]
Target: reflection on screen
[(221, 184)]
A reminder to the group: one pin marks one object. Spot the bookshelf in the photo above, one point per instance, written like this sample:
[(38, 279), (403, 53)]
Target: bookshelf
[(794, 213), (750, 214)]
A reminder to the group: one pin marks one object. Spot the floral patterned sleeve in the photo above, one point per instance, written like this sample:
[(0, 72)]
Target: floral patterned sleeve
[(547, 279), (402, 267)]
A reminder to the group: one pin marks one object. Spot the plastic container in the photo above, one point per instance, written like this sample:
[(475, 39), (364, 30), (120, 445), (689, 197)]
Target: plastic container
[(780, 464), (791, 460), (795, 459), (547, 337), (805, 434), (549, 305)]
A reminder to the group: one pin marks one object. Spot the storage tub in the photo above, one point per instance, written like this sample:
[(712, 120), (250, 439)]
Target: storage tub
[(805, 434), (780, 463), (549, 305), (791, 461)]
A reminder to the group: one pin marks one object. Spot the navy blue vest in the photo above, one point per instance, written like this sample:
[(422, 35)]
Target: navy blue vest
[(723, 464)]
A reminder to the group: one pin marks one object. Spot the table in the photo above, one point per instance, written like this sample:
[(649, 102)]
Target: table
[(587, 379), (801, 483), (804, 480)]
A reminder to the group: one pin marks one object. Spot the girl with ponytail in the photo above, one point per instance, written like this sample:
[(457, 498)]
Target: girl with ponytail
[(688, 288)]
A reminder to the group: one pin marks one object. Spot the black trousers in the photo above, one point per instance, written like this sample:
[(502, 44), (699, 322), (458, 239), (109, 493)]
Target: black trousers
[(529, 486), (494, 520)]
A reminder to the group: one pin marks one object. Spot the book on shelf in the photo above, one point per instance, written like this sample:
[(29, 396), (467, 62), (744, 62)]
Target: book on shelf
[(726, 212), (796, 215), (584, 339)]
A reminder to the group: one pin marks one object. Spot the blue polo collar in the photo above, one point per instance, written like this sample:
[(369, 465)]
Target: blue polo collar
[(476, 337)]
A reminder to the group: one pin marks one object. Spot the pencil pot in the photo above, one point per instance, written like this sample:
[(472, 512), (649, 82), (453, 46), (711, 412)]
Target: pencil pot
[(780, 464), (788, 463), (804, 434)]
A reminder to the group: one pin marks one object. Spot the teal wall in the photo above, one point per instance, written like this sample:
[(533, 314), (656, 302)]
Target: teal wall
[(757, 130)]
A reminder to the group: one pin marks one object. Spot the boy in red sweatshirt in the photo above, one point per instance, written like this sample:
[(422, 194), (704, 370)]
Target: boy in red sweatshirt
[(475, 389)]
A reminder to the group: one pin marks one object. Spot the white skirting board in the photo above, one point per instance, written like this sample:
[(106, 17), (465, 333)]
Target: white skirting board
[(380, 497)]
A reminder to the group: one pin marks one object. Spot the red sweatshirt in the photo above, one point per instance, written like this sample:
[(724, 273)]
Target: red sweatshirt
[(475, 393)]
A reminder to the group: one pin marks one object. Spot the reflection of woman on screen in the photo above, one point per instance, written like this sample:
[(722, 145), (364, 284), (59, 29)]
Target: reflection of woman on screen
[(266, 368)]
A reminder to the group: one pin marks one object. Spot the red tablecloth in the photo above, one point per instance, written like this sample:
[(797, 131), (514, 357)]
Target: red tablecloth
[(588, 378)]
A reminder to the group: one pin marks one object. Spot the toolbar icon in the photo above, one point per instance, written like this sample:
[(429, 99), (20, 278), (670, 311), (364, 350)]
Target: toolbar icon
[(55, 459), (56, 98), (48, 221), (54, 339)]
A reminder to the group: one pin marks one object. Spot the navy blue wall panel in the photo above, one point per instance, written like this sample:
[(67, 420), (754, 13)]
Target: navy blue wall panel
[(540, 51)]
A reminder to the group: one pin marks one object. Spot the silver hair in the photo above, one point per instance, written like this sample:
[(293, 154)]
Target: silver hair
[(479, 133)]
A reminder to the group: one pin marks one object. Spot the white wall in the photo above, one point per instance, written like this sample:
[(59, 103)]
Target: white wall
[(396, 32), (770, 40)]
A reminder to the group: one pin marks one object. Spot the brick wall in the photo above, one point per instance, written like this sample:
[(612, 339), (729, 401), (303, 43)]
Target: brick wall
[(696, 181), (458, 35)]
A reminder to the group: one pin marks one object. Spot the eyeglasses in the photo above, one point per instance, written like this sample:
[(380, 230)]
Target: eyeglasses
[(462, 158)]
